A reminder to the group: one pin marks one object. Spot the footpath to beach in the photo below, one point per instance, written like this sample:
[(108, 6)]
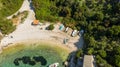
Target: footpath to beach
[(26, 31)]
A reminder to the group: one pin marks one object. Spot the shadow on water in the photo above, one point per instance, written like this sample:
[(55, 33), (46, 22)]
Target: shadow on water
[(31, 60)]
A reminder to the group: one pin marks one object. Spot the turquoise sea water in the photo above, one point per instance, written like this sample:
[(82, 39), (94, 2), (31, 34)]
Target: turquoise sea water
[(51, 54)]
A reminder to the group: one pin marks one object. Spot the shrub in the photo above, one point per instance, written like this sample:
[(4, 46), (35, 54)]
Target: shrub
[(50, 27), (79, 53), (102, 53)]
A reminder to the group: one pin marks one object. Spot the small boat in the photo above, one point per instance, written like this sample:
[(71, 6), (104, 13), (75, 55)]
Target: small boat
[(54, 65)]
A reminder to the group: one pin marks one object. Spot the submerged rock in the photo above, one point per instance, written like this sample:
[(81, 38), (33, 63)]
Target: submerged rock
[(26, 59), (40, 59), (16, 62), (32, 63)]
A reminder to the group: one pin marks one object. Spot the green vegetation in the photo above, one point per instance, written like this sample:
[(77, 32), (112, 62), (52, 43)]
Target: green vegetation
[(8, 7), (22, 15), (25, 14), (6, 26), (99, 18), (51, 27), (79, 53)]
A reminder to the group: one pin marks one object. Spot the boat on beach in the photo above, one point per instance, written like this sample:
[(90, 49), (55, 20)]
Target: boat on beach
[(54, 65)]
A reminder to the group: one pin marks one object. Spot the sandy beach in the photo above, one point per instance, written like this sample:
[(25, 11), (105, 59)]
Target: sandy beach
[(29, 33), (39, 42)]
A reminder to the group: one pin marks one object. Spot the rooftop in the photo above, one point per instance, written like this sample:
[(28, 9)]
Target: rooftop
[(88, 61), (35, 22)]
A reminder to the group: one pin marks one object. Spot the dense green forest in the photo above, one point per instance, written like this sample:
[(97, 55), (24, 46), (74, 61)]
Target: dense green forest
[(99, 18), (8, 7)]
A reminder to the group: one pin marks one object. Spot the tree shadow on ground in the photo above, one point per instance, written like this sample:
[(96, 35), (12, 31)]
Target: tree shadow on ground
[(31, 5), (80, 43), (72, 60)]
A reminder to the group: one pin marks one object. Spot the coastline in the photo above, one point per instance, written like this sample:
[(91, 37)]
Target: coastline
[(1, 49), (35, 48), (27, 33), (36, 41)]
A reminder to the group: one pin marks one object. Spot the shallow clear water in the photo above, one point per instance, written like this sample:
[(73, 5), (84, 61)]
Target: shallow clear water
[(51, 54)]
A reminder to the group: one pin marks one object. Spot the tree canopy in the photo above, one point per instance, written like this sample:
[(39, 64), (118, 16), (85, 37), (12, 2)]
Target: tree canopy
[(8, 7), (99, 18)]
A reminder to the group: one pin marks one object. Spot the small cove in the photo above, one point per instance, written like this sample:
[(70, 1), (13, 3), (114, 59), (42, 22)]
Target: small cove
[(49, 53)]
